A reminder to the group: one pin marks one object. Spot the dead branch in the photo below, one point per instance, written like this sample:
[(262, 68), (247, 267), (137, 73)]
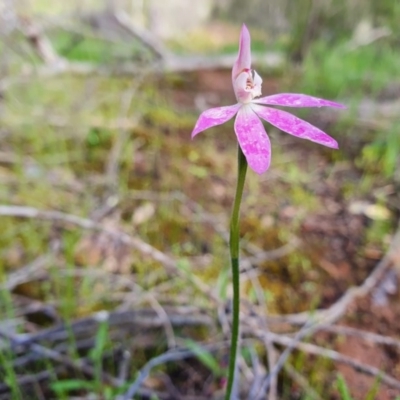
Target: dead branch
[(123, 320), (76, 365), (364, 335), (26, 273), (133, 242), (165, 61), (172, 355), (272, 353), (142, 35), (339, 308), (172, 64), (327, 353), (40, 43)]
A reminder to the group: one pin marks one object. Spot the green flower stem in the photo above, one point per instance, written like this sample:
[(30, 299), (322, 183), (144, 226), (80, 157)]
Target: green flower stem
[(234, 252)]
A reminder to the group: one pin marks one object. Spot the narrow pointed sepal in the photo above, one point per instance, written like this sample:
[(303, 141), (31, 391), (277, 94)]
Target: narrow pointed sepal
[(294, 125), (213, 117), (296, 100)]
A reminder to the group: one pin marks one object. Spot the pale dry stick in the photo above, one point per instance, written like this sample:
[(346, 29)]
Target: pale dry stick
[(43, 47), (156, 306), (359, 333), (176, 64), (125, 282), (73, 27), (144, 36), (171, 355), (166, 61), (7, 158), (109, 205), (163, 315), (38, 116), (34, 379), (271, 351), (40, 43), (26, 273), (166, 321), (259, 374), (305, 329), (339, 308), (162, 294), (77, 365), (259, 255), (134, 242), (146, 318), (331, 354), (124, 366), (365, 35)]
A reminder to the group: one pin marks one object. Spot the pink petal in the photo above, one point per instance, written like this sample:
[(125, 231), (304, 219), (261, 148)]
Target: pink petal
[(293, 125), (243, 61), (213, 117), (253, 139), (297, 100)]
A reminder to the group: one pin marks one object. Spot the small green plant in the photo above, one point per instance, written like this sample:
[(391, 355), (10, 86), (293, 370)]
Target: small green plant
[(381, 155), (8, 375), (206, 358), (342, 388), (96, 354), (345, 392)]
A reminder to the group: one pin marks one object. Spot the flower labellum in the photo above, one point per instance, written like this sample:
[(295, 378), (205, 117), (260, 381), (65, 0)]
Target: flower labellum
[(249, 129)]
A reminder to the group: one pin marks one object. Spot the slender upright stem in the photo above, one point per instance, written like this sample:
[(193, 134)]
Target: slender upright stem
[(234, 253)]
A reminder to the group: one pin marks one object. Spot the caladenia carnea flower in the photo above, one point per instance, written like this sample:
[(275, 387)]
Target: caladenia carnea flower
[(255, 150), (249, 129)]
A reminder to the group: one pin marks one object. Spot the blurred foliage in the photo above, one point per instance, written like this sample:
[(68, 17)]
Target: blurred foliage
[(306, 21), (337, 71)]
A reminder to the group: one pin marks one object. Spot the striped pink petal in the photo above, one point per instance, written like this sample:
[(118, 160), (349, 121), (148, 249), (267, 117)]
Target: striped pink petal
[(297, 100), (213, 117), (253, 139), (294, 126)]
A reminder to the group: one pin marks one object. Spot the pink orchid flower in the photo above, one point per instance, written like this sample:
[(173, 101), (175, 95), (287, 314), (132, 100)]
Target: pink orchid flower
[(249, 129)]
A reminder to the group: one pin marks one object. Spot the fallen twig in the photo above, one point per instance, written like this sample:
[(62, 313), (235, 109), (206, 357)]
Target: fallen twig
[(133, 242), (339, 308), (145, 37), (327, 353), (40, 43), (364, 335), (25, 273), (172, 355), (174, 64), (80, 366)]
